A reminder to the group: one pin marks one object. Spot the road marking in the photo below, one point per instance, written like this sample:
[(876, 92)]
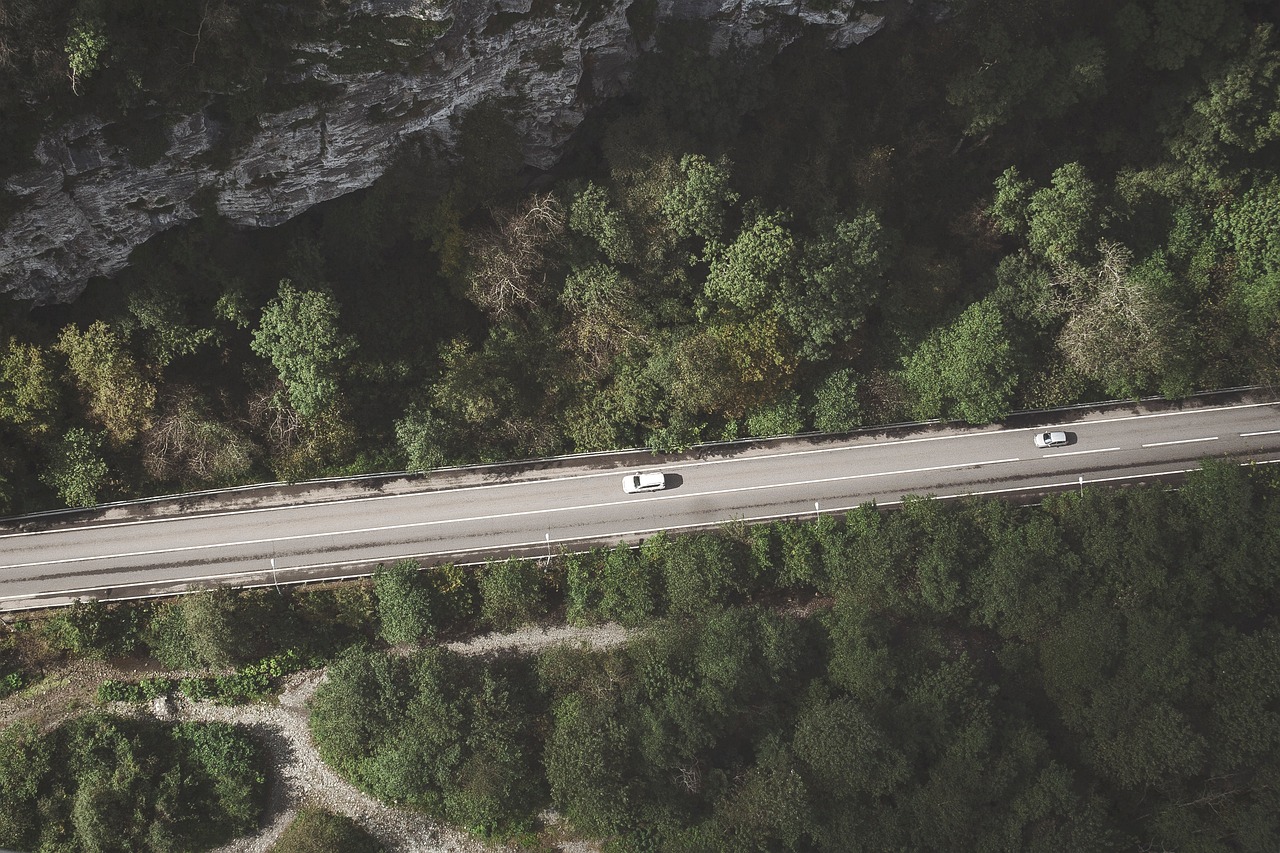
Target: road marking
[(1183, 441), (73, 593), (1205, 411), (1264, 432), (495, 516), (1078, 452)]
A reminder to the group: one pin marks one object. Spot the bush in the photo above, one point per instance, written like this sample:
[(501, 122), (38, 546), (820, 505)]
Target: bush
[(92, 629), (404, 604), (315, 830), (453, 592), (511, 593), (104, 783), (119, 691), (199, 631)]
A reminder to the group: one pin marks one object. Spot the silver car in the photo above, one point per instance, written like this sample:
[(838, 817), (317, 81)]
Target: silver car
[(1051, 439)]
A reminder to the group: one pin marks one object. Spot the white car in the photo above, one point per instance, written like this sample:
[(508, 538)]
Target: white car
[(646, 481), (1051, 439)]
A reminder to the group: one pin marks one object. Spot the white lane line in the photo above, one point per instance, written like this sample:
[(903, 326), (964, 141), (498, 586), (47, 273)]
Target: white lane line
[(501, 515), (1077, 452), (1264, 432), (72, 593), (1183, 441)]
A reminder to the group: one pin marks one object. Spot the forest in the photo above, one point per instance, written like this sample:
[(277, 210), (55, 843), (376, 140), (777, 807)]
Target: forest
[(1022, 205), (1092, 673)]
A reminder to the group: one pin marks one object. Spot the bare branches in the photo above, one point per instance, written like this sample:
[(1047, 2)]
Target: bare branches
[(510, 257), (1117, 326)]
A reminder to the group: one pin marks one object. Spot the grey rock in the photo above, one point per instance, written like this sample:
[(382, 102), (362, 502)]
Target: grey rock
[(85, 207)]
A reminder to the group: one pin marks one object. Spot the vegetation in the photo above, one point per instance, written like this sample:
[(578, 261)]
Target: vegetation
[(101, 783), (1028, 204), (1086, 674), (315, 829), (1023, 205)]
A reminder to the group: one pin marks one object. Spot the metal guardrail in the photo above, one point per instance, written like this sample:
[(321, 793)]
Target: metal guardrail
[(702, 448)]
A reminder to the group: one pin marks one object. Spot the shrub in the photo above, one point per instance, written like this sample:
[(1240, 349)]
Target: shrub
[(119, 691), (315, 830), (404, 603), (511, 593)]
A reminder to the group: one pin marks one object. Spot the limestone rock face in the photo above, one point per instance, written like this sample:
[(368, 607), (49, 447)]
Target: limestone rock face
[(86, 206)]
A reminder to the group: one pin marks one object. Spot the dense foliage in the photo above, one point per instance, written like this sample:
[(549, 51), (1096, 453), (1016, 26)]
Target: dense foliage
[(1091, 674), (1026, 204), (100, 783)]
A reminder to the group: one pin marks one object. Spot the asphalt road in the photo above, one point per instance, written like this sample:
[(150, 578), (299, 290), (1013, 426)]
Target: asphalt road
[(568, 506)]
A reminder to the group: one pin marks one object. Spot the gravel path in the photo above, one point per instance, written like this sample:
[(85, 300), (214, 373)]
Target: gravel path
[(300, 776)]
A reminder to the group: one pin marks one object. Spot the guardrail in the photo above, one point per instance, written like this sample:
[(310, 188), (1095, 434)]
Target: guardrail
[(697, 449)]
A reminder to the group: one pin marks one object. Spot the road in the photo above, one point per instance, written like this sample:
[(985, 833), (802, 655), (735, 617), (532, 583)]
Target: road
[(492, 516)]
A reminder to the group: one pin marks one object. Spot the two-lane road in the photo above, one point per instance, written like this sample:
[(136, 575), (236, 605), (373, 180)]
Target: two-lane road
[(336, 538)]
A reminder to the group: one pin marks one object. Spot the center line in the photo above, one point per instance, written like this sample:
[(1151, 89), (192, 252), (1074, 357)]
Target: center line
[(1184, 441), (1264, 432), (668, 496)]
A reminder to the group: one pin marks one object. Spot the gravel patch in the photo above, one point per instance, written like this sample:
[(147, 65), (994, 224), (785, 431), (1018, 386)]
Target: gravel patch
[(535, 639)]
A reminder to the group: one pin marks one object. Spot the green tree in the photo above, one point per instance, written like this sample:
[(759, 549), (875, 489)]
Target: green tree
[(593, 214), (1009, 207), (629, 586), (1242, 107), (405, 612), (299, 334), (699, 204), (848, 755), (701, 572), (203, 630), (77, 471), (27, 391), (421, 434), (160, 311), (748, 274), (119, 396), (26, 758), (780, 417), (965, 369), (835, 405), (1065, 218), (90, 628), (841, 275), (1249, 226), (86, 42)]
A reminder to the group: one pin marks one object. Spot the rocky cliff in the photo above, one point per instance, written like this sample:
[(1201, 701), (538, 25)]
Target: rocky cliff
[(86, 205)]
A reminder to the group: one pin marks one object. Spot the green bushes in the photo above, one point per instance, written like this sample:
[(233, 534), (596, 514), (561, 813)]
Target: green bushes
[(249, 682), (102, 783), (426, 732)]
